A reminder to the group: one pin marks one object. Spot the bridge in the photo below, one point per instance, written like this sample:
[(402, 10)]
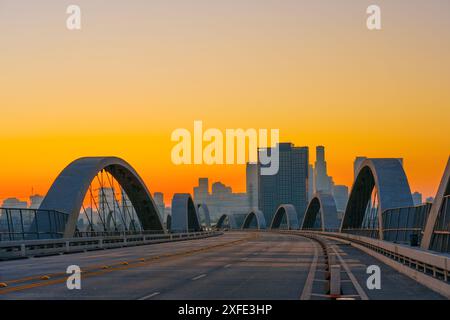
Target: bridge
[(129, 251)]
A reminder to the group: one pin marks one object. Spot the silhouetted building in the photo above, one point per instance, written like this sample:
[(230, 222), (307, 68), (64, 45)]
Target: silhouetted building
[(202, 191), (252, 184), (289, 185), (221, 200), (158, 197), (35, 201), (417, 198), (311, 187), (340, 194), (322, 182), (14, 203)]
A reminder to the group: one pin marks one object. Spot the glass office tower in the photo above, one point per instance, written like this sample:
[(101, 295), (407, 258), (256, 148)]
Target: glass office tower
[(289, 185)]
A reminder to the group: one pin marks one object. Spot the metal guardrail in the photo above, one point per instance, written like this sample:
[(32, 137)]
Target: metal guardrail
[(432, 264), (30, 248), (28, 224), (90, 234)]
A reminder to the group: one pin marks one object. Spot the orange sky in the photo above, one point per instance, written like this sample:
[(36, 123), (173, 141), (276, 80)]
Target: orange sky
[(135, 72)]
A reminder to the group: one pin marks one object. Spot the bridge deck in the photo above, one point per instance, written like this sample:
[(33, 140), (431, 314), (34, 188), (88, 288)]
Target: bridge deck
[(237, 265)]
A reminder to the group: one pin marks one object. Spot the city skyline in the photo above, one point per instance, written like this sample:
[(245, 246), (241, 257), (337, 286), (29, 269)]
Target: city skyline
[(238, 187), (227, 157), (319, 76)]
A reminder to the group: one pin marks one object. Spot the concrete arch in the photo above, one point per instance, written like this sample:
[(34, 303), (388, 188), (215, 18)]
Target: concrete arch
[(436, 208), (70, 187), (202, 210), (184, 214), (231, 221), (288, 211), (323, 204), (258, 216), (389, 178)]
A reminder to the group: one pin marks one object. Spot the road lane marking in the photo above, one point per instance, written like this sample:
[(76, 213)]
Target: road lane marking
[(90, 272), (307, 289), (149, 296), (329, 296), (227, 266), (199, 277), (355, 282)]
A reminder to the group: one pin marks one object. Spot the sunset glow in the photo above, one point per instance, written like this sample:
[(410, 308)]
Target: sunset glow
[(137, 71)]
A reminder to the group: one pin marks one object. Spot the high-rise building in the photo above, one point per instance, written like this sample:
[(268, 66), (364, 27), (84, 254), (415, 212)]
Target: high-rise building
[(289, 185), (322, 182), (340, 194), (311, 187), (320, 172), (220, 190), (14, 203), (252, 184), (417, 198), (201, 192), (35, 201), (158, 197), (221, 200), (106, 200)]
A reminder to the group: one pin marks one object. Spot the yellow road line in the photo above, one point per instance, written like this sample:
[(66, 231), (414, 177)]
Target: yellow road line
[(87, 274)]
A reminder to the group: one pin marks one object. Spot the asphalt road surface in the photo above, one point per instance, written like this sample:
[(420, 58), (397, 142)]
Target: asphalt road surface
[(236, 265)]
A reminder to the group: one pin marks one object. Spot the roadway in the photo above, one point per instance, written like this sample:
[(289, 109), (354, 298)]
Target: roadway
[(236, 265)]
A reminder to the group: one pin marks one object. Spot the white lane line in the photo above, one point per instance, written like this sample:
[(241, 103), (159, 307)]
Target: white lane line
[(355, 282), (227, 266), (307, 289), (149, 296), (199, 277)]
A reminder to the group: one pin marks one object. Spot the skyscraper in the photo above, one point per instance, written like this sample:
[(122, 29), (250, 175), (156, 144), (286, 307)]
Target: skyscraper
[(35, 201), (158, 197), (417, 198), (252, 184), (14, 203), (202, 191), (322, 182), (221, 200), (340, 194), (311, 187), (289, 185)]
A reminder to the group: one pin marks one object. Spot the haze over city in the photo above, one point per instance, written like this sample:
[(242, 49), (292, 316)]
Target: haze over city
[(231, 157), (136, 72)]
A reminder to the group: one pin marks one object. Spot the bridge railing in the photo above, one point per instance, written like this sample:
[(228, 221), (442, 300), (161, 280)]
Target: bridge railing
[(430, 263), (90, 234), (19, 249), (26, 224)]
